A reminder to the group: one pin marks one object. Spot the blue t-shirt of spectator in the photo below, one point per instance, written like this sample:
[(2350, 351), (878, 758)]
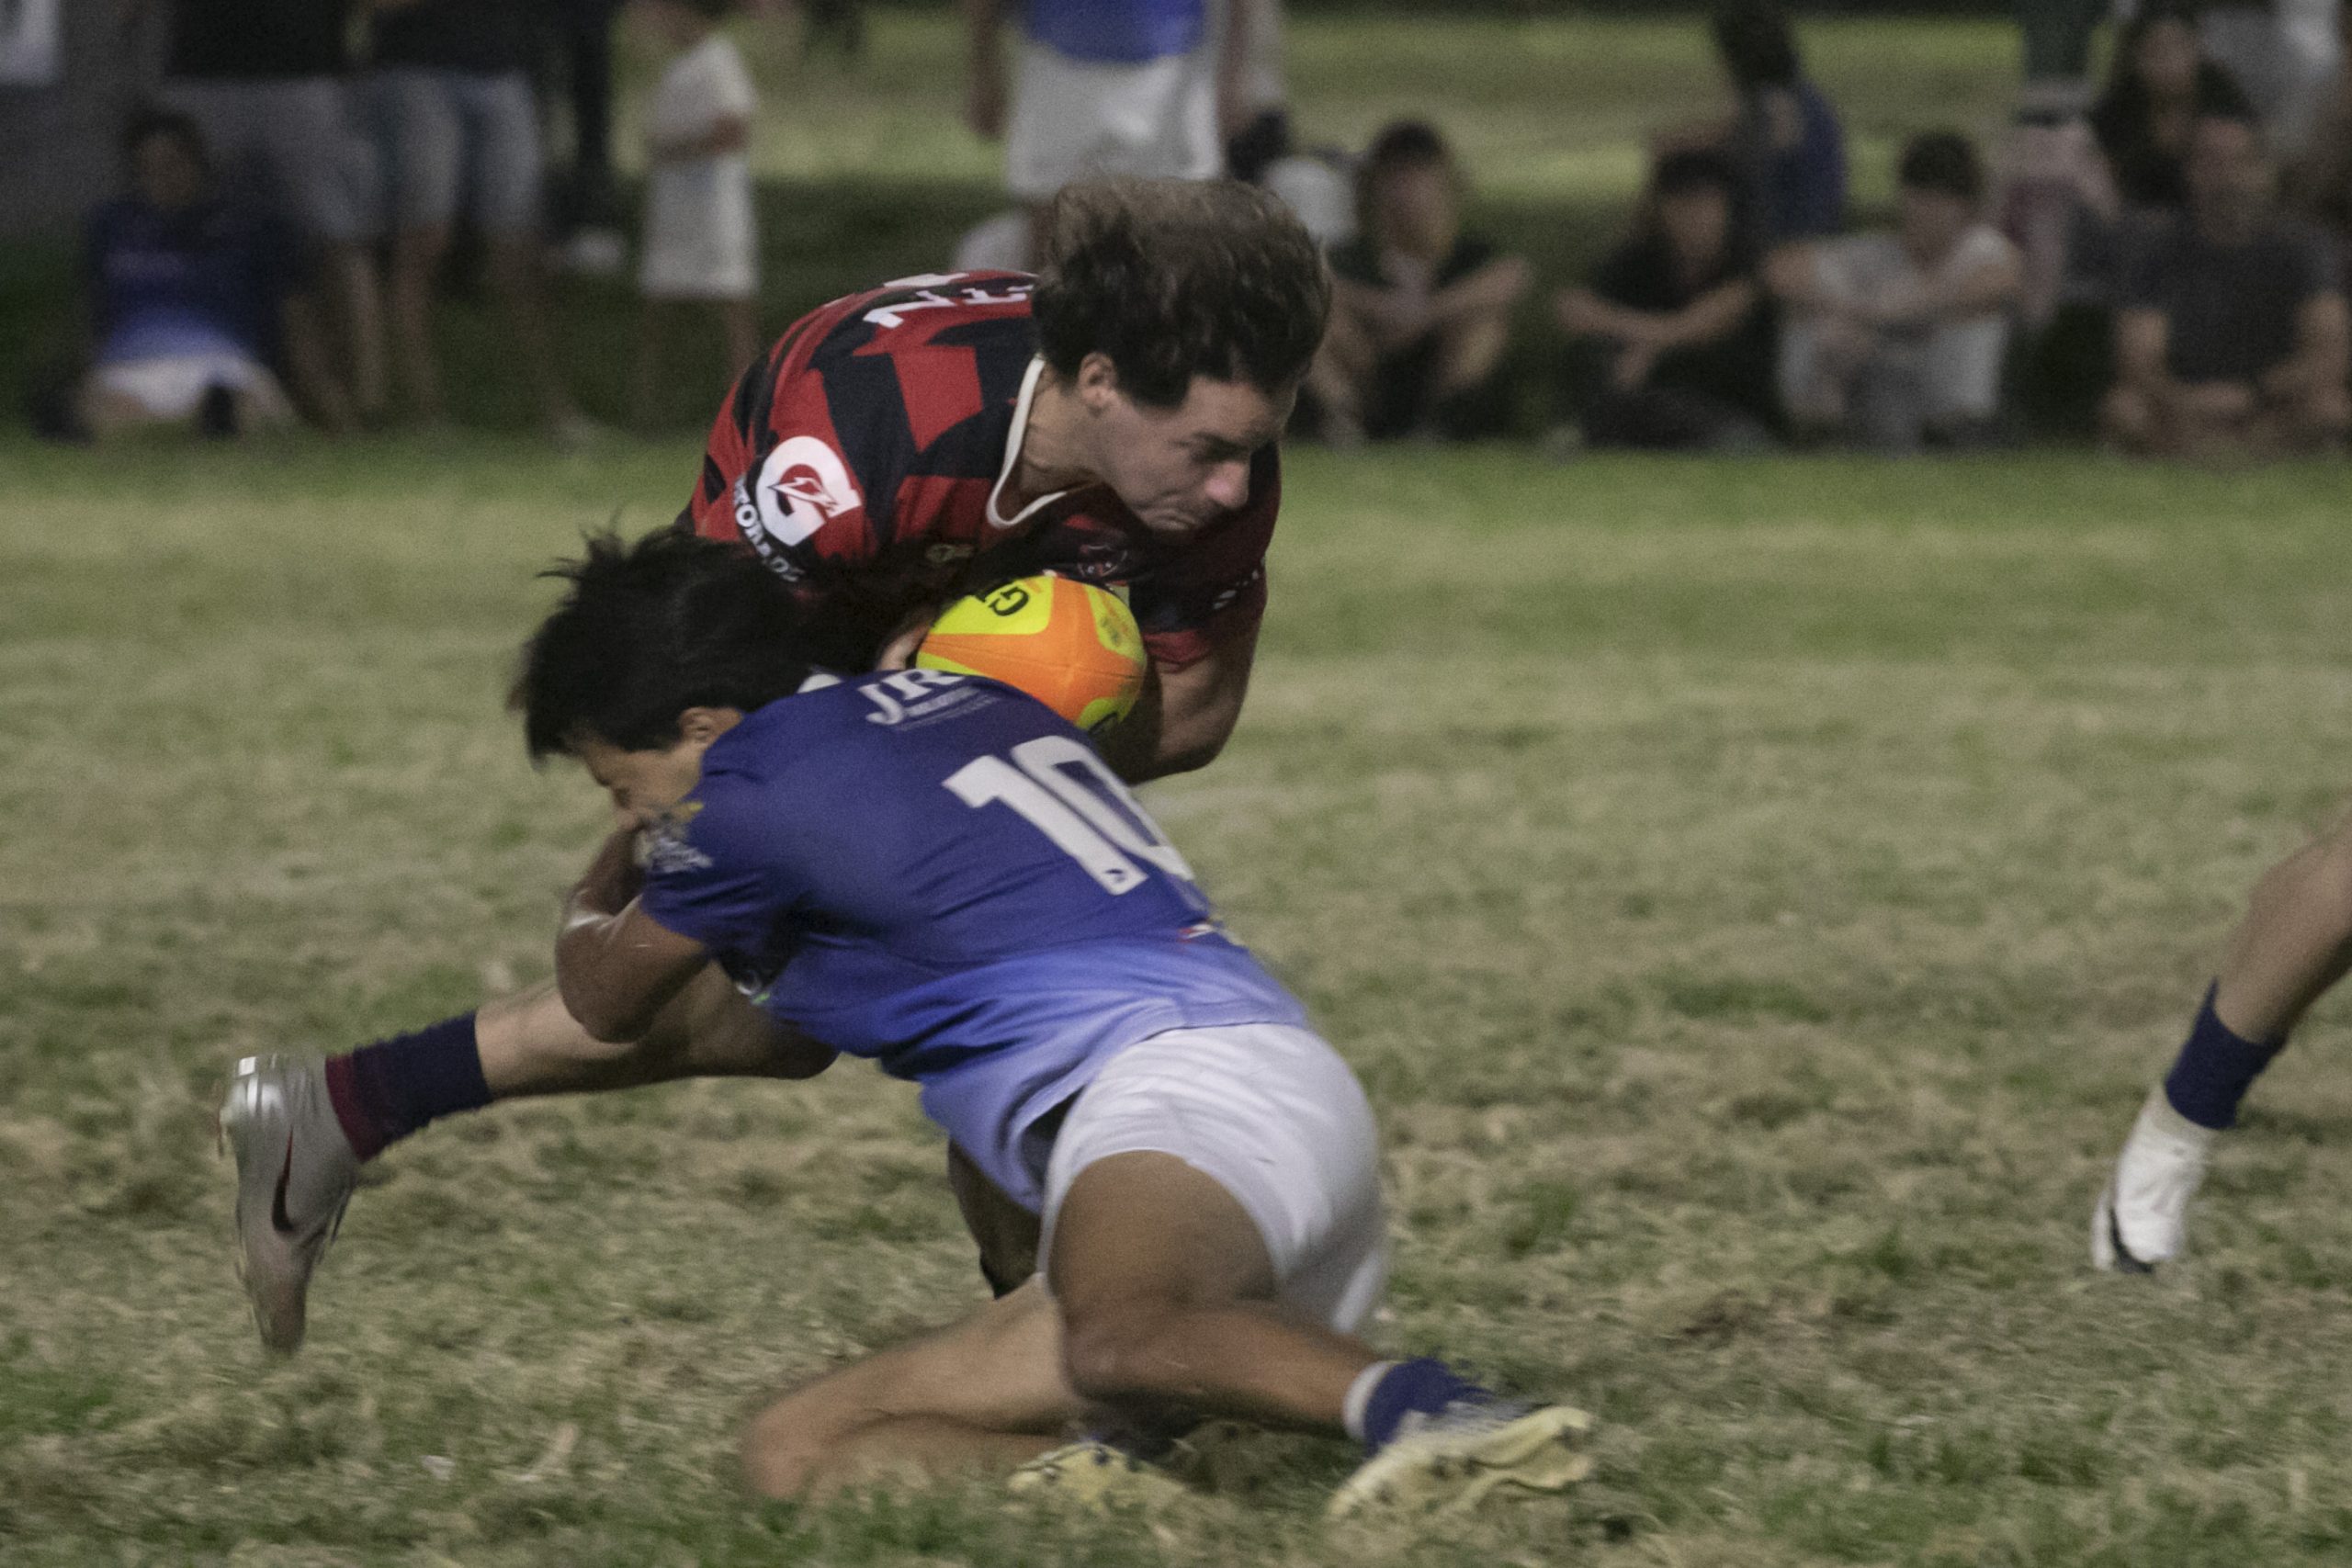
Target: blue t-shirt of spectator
[(204, 279), (1118, 32), (1802, 192)]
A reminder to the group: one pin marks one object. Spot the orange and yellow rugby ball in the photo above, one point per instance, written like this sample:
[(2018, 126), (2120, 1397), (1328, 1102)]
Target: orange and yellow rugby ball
[(1070, 645)]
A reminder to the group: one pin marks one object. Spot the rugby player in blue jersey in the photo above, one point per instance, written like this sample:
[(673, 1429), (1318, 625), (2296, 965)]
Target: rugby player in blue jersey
[(937, 873), (1113, 419)]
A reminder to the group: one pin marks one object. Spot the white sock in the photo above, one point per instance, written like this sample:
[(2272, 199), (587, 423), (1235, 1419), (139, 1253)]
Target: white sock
[(1360, 1394)]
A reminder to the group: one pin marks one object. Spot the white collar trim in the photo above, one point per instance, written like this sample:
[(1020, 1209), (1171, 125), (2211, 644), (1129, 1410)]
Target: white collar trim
[(1012, 454)]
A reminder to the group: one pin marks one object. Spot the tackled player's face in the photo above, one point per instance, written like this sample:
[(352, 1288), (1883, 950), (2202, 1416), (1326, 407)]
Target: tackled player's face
[(644, 785), (1178, 469)]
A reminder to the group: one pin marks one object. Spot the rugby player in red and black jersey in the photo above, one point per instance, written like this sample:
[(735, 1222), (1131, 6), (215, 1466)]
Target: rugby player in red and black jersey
[(1114, 418)]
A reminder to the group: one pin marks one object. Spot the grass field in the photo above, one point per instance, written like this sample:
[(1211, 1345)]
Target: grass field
[(1755, 896)]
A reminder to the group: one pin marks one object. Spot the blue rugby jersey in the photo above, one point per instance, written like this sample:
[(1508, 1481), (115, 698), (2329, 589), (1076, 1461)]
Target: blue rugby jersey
[(935, 872)]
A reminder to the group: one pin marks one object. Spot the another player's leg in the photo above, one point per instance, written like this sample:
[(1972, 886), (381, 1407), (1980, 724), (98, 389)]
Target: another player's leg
[(1173, 1310), (301, 1129), (2294, 944), (985, 1393), (739, 324), (1214, 1237)]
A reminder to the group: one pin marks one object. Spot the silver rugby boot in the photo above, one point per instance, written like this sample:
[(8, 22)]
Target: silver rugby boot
[(294, 1173)]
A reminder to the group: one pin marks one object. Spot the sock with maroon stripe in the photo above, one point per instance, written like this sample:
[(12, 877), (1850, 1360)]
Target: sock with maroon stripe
[(385, 1091)]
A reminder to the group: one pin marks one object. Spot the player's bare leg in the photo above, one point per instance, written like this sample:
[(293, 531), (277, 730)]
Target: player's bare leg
[(2295, 941), (739, 326), (521, 286), (1168, 1303), (1341, 372), (2294, 944), (985, 1393), (655, 320), (416, 258), (530, 1044), (351, 275), (301, 1129)]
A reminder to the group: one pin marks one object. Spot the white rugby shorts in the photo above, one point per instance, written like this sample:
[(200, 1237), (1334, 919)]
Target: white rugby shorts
[(1272, 1115), (1074, 118), (173, 387)]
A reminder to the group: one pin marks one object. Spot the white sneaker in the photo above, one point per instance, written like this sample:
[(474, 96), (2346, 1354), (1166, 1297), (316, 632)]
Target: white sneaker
[(2142, 1217), (1449, 1461)]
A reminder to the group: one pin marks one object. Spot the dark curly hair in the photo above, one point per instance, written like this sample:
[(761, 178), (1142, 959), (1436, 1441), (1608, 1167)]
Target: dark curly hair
[(1176, 278)]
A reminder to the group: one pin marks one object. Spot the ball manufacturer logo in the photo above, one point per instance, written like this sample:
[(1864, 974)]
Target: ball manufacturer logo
[(803, 485), (1008, 600)]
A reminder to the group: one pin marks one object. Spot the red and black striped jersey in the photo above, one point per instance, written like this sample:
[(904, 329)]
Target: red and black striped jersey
[(861, 455)]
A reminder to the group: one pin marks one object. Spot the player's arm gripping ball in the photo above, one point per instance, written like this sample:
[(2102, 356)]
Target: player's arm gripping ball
[(1070, 645)]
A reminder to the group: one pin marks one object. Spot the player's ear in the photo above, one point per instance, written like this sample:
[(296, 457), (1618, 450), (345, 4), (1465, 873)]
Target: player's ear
[(1098, 381), (700, 726)]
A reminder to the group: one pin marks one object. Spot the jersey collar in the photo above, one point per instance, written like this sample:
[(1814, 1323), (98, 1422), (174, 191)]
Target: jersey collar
[(1012, 453)]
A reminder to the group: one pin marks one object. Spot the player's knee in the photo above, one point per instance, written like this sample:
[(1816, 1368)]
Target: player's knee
[(1109, 1351), (785, 1447), (2328, 411), (2125, 416)]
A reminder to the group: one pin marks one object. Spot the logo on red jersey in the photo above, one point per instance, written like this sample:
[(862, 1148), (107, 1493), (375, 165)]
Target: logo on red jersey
[(802, 486)]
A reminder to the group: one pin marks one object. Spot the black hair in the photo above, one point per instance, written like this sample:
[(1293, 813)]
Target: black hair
[(1756, 44), (1172, 279), (2125, 102), (149, 123), (1944, 162), (1399, 144), (647, 631), (1403, 144), (1696, 168)]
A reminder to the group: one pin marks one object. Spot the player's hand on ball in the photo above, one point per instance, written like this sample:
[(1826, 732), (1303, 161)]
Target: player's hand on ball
[(898, 651)]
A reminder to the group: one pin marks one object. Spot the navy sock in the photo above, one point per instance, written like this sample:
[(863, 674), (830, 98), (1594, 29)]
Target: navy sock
[(385, 1091), (2216, 1068), (1426, 1385)]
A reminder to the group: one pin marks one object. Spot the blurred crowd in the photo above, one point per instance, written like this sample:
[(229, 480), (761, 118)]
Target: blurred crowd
[(2156, 257)]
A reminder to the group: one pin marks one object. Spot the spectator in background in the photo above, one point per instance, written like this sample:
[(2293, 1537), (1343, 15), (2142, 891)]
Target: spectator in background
[(1678, 318), (1100, 87), (2283, 53), (2232, 336), (1420, 312), (1253, 102), (454, 80), (577, 64), (1897, 339), (701, 246), (265, 83), (2160, 83), (1783, 137), (188, 298)]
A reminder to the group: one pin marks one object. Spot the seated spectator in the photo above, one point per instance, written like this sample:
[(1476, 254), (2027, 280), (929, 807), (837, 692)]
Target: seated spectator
[(1896, 339), (1783, 137), (1421, 313), (2160, 83), (1685, 341), (267, 84), (2231, 337), (188, 298), (701, 236)]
